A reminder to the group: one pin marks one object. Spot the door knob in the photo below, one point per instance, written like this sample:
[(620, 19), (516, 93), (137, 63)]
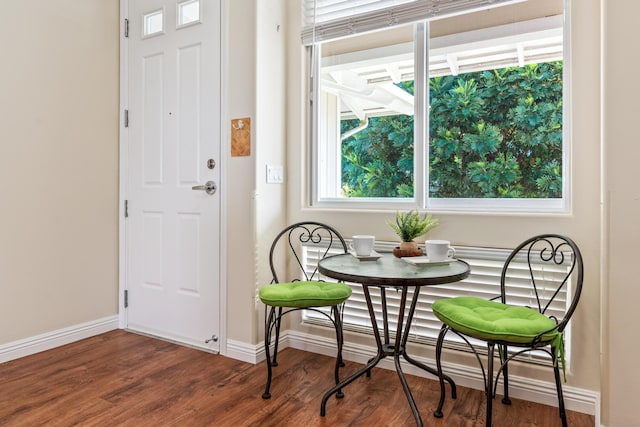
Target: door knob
[(209, 186)]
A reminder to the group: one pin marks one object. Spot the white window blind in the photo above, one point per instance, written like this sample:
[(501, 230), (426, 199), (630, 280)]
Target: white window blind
[(333, 19), (328, 10), (484, 281)]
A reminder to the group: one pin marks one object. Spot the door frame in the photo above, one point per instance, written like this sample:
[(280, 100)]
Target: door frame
[(124, 169)]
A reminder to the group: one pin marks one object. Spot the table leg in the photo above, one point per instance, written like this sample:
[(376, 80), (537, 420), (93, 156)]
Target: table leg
[(373, 362), (401, 340), (385, 315), (405, 338), (372, 316)]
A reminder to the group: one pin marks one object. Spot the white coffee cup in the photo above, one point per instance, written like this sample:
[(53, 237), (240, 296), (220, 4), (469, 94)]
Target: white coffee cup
[(439, 250), (362, 245)]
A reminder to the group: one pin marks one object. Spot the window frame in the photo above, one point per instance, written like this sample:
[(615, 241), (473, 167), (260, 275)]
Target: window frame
[(421, 199)]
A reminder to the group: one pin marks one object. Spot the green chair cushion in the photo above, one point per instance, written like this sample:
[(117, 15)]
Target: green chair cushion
[(494, 321), (304, 294)]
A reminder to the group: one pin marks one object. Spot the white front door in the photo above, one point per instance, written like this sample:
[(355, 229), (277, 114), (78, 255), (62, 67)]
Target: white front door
[(172, 230)]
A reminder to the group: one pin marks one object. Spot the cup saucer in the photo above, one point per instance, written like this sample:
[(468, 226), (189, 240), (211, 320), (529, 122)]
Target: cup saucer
[(422, 260), (371, 257)]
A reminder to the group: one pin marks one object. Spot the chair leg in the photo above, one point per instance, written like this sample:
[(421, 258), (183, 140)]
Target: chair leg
[(278, 320), (489, 385), (337, 322), (269, 322), (556, 373), (443, 331), (339, 335), (503, 360)]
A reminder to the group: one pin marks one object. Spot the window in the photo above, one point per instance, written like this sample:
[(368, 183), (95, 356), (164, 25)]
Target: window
[(458, 121), (153, 23), (366, 115), (188, 13)]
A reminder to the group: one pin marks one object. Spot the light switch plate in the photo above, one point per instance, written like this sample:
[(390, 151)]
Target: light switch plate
[(275, 174)]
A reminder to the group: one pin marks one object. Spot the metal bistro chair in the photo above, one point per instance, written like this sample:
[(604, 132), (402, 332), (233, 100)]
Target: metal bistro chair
[(540, 268), (306, 292)]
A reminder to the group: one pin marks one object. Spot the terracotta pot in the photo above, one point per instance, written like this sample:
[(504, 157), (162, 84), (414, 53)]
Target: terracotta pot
[(408, 246), (407, 249)]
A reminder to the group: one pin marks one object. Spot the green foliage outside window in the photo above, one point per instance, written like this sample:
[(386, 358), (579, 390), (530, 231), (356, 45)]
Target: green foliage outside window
[(492, 134), (378, 162)]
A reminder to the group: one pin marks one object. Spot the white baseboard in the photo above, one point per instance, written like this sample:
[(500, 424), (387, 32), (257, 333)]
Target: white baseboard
[(543, 392), (49, 340), (244, 352)]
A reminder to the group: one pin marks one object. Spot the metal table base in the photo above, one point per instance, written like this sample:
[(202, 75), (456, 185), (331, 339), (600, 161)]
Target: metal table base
[(397, 349)]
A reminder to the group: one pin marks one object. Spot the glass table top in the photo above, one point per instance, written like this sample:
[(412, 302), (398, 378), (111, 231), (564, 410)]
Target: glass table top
[(391, 271)]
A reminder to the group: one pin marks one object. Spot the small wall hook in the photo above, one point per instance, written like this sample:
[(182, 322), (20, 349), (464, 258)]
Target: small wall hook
[(239, 125)]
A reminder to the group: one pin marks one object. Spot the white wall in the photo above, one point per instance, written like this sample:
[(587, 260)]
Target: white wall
[(621, 151), (271, 144), (58, 165), (240, 172)]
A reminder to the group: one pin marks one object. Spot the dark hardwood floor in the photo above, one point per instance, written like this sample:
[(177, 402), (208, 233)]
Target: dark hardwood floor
[(125, 379)]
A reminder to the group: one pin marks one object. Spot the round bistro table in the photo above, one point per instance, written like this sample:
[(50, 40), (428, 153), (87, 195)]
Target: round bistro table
[(391, 272)]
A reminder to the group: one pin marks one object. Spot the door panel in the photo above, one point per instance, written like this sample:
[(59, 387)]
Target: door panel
[(172, 231)]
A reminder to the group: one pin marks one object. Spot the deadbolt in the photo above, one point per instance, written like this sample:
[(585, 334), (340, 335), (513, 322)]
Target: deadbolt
[(211, 163)]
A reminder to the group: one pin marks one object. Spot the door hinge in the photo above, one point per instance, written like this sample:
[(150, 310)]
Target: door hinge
[(126, 27), (126, 298), (126, 118), (126, 209)]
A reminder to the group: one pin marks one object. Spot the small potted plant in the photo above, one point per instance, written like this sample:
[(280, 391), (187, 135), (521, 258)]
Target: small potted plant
[(408, 226)]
